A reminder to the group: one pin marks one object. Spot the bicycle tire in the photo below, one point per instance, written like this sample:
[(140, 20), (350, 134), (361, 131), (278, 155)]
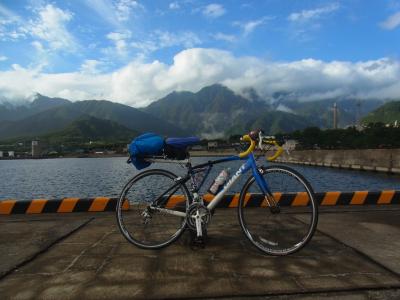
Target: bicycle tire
[(149, 228), (289, 230)]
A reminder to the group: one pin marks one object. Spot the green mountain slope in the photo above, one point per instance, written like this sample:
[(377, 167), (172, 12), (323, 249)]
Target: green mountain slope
[(51, 120), (216, 111), (387, 113), (271, 122), (209, 112), (40, 103), (87, 129), (129, 117), (59, 117), (321, 111)]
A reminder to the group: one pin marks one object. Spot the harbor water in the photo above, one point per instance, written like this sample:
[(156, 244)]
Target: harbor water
[(92, 177)]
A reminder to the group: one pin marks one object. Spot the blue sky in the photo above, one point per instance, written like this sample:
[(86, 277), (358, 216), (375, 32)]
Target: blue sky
[(62, 48)]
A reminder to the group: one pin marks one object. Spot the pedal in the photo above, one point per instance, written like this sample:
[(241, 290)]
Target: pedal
[(275, 209), (198, 241)]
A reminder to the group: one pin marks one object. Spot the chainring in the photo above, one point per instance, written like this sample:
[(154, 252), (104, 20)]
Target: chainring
[(192, 211)]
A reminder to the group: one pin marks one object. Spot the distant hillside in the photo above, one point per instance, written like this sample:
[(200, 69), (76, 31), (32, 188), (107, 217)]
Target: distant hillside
[(9, 112), (59, 115), (129, 117), (387, 113), (213, 112), (321, 111), (216, 111), (88, 129), (208, 112)]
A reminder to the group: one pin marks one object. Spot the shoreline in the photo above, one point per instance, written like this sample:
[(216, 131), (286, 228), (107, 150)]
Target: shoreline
[(192, 154)]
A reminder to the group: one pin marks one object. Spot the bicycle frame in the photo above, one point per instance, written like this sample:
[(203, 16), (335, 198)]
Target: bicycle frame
[(249, 164)]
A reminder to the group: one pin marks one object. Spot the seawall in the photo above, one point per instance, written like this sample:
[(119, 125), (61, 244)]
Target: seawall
[(380, 160)]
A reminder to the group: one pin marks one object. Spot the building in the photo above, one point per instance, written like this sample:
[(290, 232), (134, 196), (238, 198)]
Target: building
[(212, 145), (290, 145), (36, 151)]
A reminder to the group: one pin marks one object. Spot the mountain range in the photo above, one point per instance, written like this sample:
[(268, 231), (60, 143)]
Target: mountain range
[(387, 113), (213, 112)]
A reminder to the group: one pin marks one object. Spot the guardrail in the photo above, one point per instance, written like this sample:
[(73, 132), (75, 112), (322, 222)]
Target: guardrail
[(101, 204)]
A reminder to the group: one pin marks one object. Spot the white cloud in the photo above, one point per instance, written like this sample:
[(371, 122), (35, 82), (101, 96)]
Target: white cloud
[(120, 42), (250, 26), (8, 14), (116, 12), (38, 46), (140, 83), (160, 39), (307, 15), (214, 10), (50, 27), (174, 5), (187, 39), (90, 66), (224, 37), (9, 25), (391, 22), (124, 8), (3, 58)]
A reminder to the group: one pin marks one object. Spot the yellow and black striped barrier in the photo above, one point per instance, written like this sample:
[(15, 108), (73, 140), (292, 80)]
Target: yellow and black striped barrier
[(100, 204), (65, 205)]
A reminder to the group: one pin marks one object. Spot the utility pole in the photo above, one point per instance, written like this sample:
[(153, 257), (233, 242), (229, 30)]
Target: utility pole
[(358, 112), (335, 115)]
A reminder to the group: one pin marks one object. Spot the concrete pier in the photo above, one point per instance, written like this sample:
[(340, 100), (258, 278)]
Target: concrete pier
[(353, 255), (380, 160)]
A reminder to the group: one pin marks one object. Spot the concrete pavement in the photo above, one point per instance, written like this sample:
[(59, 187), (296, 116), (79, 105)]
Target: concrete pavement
[(353, 255)]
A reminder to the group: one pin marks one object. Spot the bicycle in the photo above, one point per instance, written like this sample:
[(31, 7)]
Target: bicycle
[(156, 206)]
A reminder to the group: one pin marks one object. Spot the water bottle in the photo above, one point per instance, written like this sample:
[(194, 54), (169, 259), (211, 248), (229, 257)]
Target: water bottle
[(219, 182)]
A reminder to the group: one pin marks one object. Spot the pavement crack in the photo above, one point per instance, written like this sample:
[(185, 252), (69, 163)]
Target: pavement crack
[(73, 262), (106, 259), (44, 250)]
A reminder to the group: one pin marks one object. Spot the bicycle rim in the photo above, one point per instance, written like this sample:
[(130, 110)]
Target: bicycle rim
[(138, 216), (292, 227)]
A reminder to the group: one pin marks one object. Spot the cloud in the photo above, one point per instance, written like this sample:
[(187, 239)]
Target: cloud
[(139, 83), (3, 58), (160, 39), (174, 5), (391, 22), (124, 9), (9, 14), (307, 15), (9, 25), (90, 66), (224, 37), (120, 42), (249, 26), (214, 10), (51, 27), (115, 12)]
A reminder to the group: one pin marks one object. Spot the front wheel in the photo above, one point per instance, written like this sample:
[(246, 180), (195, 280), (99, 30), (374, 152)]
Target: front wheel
[(283, 224)]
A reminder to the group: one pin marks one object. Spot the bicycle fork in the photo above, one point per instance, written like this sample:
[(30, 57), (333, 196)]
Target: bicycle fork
[(268, 196)]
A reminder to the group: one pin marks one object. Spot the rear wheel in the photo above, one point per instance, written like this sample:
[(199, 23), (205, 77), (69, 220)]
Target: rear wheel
[(151, 209), (287, 227)]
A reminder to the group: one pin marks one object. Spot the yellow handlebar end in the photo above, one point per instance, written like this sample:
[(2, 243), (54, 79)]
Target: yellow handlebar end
[(277, 154), (247, 138)]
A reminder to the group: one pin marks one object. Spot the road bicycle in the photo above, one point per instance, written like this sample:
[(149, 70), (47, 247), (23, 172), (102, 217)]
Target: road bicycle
[(277, 209)]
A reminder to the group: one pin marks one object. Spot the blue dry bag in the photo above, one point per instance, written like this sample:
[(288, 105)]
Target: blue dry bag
[(145, 145)]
